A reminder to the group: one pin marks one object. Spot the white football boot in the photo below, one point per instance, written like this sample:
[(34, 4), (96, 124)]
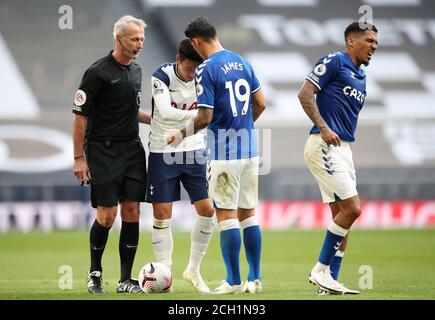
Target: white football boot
[(322, 292), (253, 286), (196, 281), (349, 291), (226, 288), (322, 278)]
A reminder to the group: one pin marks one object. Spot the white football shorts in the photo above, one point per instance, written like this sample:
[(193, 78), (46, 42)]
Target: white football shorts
[(332, 167), (233, 184)]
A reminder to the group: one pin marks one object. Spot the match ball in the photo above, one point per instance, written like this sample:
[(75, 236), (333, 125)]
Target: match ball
[(155, 277)]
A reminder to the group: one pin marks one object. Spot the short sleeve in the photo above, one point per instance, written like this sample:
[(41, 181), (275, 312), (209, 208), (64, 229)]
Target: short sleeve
[(324, 70), (85, 96), (204, 88), (255, 84), (162, 76), (159, 88)]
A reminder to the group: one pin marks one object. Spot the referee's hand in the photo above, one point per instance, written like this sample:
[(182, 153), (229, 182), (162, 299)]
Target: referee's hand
[(330, 137), (174, 138), (81, 171)]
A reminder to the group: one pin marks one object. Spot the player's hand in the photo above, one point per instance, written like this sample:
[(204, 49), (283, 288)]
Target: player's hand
[(174, 138), (81, 171), (330, 137)]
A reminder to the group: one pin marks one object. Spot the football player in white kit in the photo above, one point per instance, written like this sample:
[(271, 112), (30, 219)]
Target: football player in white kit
[(174, 104)]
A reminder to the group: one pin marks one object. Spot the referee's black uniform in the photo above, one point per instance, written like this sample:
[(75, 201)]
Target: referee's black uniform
[(109, 96)]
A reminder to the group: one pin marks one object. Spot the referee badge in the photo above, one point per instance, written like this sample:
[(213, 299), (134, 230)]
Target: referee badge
[(79, 98)]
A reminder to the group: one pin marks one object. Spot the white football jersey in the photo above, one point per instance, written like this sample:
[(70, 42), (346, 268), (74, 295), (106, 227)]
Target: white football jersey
[(173, 106)]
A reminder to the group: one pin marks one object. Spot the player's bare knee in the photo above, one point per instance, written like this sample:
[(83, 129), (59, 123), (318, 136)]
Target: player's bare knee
[(106, 222), (243, 214), (203, 208), (353, 212), (206, 212), (132, 216), (130, 212), (106, 218), (225, 214), (161, 213), (356, 211)]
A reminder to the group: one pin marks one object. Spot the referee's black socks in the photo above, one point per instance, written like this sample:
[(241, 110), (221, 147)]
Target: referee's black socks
[(128, 241), (98, 239)]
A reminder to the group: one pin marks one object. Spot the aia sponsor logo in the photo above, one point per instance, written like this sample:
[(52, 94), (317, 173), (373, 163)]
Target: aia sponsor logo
[(184, 106)]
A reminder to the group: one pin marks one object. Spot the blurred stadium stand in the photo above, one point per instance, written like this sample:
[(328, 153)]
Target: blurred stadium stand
[(42, 66)]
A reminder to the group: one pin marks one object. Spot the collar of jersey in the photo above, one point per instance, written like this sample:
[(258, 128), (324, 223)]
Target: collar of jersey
[(178, 76), (217, 53), (123, 66), (176, 73), (360, 70), (351, 61)]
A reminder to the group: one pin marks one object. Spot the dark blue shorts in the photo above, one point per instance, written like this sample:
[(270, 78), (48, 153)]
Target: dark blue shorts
[(167, 170)]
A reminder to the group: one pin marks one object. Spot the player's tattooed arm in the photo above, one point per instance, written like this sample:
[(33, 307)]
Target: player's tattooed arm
[(202, 119), (309, 104)]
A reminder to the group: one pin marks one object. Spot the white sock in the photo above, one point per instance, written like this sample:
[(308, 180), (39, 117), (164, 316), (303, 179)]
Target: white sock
[(336, 229), (202, 231), (163, 243), (249, 222), (320, 266), (229, 224)]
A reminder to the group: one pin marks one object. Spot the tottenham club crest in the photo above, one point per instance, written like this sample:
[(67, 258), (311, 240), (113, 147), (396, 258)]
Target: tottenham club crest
[(320, 70)]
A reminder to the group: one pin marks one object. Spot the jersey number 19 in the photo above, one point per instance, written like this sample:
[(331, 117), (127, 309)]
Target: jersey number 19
[(242, 97)]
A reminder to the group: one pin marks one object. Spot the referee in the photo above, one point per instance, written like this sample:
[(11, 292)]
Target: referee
[(108, 153)]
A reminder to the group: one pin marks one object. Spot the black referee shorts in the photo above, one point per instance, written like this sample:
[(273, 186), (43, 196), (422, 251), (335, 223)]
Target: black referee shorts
[(118, 171)]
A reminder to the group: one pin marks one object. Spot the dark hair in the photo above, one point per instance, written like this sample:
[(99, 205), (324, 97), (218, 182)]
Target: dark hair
[(355, 27), (200, 27), (186, 51)]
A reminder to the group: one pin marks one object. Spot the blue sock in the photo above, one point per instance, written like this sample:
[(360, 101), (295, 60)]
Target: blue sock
[(230, 247), (335, 265), (252, 242), (333, 239)]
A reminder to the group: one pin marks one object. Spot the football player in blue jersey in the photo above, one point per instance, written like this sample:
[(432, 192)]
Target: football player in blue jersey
[(332, 96), (230, 99)]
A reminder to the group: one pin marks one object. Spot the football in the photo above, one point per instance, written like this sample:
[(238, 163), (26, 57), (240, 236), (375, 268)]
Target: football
[(155, 277)]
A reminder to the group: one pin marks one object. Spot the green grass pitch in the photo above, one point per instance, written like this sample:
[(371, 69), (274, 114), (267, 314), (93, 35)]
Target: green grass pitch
[(402, 261)]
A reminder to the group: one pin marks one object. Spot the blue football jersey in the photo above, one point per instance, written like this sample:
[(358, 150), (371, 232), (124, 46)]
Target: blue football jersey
[(342, 93), (225, 82)]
